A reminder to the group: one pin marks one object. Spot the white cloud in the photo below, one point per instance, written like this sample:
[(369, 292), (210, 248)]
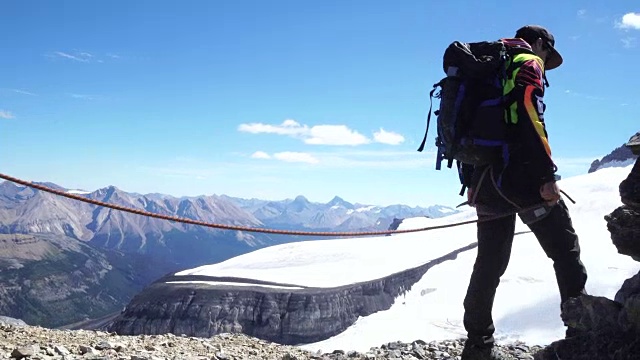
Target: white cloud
[(388, 137), (80, 57), (290, 122), (6, 114), (315, 135), (630, 21), (23, 92), (582, 13), (260, 155), (82, 96), (289, 156), (83, 56), (288, 127), (335, 135), (583, 95), (628, 42)]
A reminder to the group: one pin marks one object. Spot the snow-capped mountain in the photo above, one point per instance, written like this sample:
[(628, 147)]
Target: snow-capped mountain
[(59, 231), (620, 157), (337, 214)]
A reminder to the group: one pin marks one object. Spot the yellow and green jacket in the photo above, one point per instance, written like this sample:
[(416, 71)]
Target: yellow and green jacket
[(529, 137)]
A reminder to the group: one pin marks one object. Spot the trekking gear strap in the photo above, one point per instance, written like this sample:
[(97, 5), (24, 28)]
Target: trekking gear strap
[(424, 140)]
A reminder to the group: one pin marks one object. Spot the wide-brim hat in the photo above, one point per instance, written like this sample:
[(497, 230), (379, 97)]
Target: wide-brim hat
[(531, 33)]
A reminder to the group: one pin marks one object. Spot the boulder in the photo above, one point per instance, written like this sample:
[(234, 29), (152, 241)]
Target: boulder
[(624, 225)]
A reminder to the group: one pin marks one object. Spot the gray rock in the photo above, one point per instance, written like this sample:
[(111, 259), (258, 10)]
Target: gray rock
[(61, 350), (624, 225), (634, 143), (630, 287), (87, 350), (5, 320), (589, 313), (630, 314), (25, 351), (103, 345)]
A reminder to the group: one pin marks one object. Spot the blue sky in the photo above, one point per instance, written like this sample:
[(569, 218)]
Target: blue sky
[(273, 99)]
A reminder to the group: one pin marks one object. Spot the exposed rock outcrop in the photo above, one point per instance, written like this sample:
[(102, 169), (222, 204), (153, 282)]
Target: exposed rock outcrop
[(603, 328), (621, 156), (624, 225), (281, 313), (395, 223)]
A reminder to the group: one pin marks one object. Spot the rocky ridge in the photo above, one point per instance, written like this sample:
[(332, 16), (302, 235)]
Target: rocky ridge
[(27, 342), (620, 156)]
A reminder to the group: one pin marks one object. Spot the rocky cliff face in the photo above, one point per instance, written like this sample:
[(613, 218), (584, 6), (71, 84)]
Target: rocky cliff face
[(281, 313), (608, 328)]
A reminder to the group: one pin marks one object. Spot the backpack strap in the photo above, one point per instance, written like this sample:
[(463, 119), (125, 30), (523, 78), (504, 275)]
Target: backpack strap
[(440, 156), (428, 117)]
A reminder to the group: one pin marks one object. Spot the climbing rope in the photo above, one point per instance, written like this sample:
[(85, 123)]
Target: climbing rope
[(245, 228)]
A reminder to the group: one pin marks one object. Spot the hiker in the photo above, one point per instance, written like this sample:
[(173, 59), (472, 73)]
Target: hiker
[(527, 179)]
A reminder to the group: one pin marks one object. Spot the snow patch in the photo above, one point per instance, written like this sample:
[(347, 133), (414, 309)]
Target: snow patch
[(78, 192), (214, 283), (367, 208)]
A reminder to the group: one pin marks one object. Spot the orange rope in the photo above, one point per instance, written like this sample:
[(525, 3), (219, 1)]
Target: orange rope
[(235, 227)]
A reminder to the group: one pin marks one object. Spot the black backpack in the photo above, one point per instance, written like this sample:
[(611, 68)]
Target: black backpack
[(471, 118)]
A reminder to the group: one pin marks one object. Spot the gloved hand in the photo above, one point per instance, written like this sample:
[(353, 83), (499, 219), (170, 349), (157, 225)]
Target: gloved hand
[(550, 193)]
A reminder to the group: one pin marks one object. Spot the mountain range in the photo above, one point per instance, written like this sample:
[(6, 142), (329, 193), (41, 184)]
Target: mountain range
[(64, 261)]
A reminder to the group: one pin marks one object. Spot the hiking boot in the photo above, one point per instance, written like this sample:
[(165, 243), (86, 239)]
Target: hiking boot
[(474, 352)]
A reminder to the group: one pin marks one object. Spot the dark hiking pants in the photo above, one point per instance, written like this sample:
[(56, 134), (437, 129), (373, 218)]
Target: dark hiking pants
[(557, 237)]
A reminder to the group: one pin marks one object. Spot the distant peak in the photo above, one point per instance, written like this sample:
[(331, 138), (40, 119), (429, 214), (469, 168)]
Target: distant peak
[(338, 201), (50, 185), (300, 198), (108, 188), (106, 193)]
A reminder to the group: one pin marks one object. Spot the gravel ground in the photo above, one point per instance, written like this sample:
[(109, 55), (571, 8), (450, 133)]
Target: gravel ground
[(33, 342)]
